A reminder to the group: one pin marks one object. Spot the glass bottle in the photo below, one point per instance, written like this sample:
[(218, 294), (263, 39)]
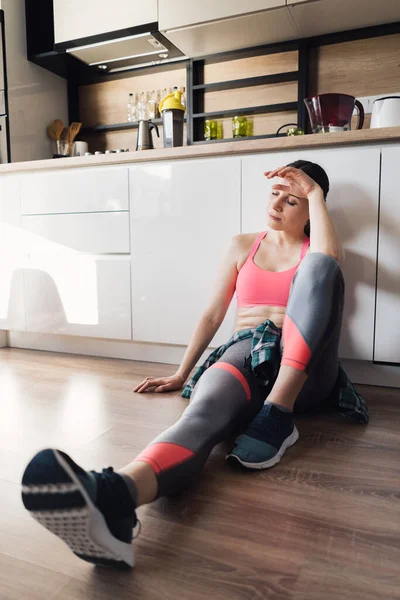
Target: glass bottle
[(158, 97), (142, 108), (129, 106), (151, 105), (183, 97), (134, 108)]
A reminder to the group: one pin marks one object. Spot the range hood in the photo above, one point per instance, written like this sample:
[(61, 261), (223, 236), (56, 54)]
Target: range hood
[(122, 50)]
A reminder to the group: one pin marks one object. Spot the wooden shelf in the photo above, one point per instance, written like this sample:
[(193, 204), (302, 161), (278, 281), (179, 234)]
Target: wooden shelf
[(247, 82), (253, 110)]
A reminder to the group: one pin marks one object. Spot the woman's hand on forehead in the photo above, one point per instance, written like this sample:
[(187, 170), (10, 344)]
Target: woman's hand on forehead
[(296, 182)]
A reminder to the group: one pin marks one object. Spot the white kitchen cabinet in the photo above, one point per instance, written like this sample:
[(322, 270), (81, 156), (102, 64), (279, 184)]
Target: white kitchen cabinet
[(97, 189), (329, 16), (96, 233), (180, 13), (183, 216), (353, 204), (387, 335), (252, 29), (78, 295), (76, 19), (13, 255)]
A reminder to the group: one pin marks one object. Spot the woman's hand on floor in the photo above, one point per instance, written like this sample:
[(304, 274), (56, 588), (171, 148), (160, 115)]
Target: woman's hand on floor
[(160, 384)]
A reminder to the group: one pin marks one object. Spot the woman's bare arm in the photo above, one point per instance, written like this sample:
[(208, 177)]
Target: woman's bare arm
[(207, 326), (323, 235)]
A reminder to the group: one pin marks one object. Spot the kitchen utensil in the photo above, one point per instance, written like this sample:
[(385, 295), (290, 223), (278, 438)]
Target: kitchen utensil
[(386, 112), (58, 127), (173, 116), (73, 131), (51, 133), (54, 132), (144, 138), (80, 148), (333, 112)]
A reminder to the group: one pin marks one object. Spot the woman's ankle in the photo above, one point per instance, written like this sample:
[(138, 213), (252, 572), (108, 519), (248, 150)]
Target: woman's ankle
[(141, 481)]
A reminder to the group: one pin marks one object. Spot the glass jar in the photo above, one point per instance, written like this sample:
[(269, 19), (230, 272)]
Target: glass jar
[(295, 131), (239, 127), (250, 127), (210, 130)]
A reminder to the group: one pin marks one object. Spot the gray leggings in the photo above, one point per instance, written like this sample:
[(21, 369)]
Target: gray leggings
[(228, 396)]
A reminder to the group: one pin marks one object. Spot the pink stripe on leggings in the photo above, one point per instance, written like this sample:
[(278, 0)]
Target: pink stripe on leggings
[(236, 373)]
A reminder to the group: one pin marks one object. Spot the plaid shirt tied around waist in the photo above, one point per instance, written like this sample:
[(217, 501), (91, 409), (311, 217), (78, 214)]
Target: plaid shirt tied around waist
[(264, 362)]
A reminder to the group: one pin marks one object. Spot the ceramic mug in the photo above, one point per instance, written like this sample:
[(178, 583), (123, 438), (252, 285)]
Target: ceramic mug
[(79, 148)]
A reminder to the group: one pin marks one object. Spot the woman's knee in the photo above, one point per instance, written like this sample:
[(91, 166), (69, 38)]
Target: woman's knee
[(320, 270), (221, 388)]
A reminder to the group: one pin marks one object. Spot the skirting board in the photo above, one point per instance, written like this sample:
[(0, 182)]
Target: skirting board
[(141, 351), (358, 371)]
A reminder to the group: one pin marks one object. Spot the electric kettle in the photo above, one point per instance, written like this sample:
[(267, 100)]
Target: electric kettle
[(386, 112), (144, 138)]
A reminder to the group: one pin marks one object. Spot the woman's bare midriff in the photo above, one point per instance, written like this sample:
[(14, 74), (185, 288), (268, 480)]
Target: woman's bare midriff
[(249, 318)]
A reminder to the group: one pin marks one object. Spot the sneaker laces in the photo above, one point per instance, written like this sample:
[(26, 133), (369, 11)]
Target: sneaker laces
[(266, 424), (108, 499), (110, 502)]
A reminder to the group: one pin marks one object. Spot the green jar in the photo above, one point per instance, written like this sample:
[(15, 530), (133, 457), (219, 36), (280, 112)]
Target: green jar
[(250, 127), (239, 127), (295, 131), (210, 130)]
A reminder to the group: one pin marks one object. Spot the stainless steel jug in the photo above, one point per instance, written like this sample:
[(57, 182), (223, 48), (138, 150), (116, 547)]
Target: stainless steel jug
[(144, 138)]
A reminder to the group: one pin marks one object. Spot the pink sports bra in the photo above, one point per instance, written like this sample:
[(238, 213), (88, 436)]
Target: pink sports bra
[(255, 285)]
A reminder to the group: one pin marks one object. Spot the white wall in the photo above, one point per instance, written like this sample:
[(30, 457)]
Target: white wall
[(36, 96)]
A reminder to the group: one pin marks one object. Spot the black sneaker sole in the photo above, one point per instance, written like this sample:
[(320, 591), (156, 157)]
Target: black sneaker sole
[(56, 498)]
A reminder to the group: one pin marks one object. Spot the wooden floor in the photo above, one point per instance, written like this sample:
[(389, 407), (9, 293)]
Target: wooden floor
[(323, 524)]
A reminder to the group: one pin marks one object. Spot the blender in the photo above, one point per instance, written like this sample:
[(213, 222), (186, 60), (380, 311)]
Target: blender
[(173, 113)]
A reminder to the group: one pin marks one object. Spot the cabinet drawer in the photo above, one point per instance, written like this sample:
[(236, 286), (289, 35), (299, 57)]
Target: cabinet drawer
[(75, 190), (97, 233), (78, 295)]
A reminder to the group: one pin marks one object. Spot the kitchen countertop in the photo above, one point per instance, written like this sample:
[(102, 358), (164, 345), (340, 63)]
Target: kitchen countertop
[(249, 146)]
